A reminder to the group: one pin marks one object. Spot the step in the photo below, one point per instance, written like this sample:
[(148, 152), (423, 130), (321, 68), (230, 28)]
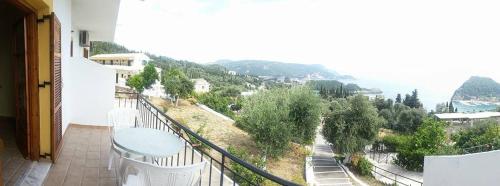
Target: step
[(331, 174), (326, 168), (332, 180)]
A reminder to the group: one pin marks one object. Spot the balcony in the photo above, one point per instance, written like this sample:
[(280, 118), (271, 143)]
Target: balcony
[(85, 153)]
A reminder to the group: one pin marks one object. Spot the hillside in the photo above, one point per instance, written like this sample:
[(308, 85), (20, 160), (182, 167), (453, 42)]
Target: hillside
[(478, 88), (273, 68), (215, 74)]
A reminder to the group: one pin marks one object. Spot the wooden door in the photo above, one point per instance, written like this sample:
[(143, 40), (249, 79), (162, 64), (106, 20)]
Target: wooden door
[(56, 83), (20, 87)]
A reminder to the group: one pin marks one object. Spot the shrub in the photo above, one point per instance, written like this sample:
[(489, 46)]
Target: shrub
[(394, 142), (428, 140), (193, 101), (197, 143), (244, 172), (361, 164), (364, 167), (217, 102), (484, 132)]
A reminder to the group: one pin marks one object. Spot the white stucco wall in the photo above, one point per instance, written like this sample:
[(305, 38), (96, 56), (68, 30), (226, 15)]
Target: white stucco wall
[(62, 9), (471, 169), (92, 92), (87, 88)]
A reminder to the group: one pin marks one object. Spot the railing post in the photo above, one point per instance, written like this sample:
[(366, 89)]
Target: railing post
[(137, 108), (222, 170)]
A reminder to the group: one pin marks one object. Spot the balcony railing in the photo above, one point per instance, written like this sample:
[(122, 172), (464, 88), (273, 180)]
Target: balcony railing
[(219, 171)]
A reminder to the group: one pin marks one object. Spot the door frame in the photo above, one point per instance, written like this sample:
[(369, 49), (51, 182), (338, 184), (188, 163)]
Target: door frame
[(31, 53)]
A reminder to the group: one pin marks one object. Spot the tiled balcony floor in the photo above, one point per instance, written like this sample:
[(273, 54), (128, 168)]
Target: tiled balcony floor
[(84, 158)]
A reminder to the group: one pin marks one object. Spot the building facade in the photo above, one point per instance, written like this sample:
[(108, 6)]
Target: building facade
[(201, 85), (125, 65)]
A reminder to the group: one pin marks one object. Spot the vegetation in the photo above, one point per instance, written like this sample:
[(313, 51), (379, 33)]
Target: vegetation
[(144, 80), (136, 82), (276, 117), (362, 165), (429, 139), (352, 124), (244, 172), (149, 75), (483, 133), (481, 88), (412, 100), (446, 108), (217, 102), (403, 117), (177, 84), (304, 114)]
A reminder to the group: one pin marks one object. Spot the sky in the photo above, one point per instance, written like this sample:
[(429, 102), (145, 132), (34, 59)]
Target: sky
[(431, 45)]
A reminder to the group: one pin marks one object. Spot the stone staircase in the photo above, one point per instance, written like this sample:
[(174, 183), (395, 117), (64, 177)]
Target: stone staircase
[(326, 170)]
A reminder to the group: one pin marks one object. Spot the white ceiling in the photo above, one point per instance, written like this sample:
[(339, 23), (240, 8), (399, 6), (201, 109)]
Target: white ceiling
[(96, 16)]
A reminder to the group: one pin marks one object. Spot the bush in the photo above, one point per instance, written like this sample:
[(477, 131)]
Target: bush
[(244, 172), (364, 167), (217, 102), (484, 132), (197, 143), (428, 140), (394, 142), (361, 165)]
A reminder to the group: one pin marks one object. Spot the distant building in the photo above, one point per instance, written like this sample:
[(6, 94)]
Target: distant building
[(201, 85), (126, 64), (459, 121), (231, 72), (247, 93)]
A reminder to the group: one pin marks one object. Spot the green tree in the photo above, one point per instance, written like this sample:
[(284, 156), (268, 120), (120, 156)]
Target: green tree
[(149, 75), (136, 82), (429, 138), (398, 98), (451, 109), (177, 84), (304, 114), (266, 118), (217, 102), (409, 120), (351, 125)]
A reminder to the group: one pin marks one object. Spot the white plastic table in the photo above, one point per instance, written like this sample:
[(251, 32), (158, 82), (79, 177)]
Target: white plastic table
[(148, 142)]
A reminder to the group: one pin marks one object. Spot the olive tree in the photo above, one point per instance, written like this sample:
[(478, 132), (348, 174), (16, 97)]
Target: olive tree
[(352, 124)]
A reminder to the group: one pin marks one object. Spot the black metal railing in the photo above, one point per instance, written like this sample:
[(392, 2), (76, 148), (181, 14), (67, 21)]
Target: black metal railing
[(219, 172), (396, 179)]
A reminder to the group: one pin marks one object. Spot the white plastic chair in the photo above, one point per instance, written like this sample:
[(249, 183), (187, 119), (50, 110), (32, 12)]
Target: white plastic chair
[(136, 173), (120, 118)]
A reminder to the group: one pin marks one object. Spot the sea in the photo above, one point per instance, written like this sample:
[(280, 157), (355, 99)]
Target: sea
[(428, 96)]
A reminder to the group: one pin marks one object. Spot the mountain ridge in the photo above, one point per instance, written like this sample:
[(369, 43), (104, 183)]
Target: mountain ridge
[(276, 68), (478, 88)]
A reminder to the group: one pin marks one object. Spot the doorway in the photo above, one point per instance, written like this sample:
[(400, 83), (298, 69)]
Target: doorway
[(19, 80)]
